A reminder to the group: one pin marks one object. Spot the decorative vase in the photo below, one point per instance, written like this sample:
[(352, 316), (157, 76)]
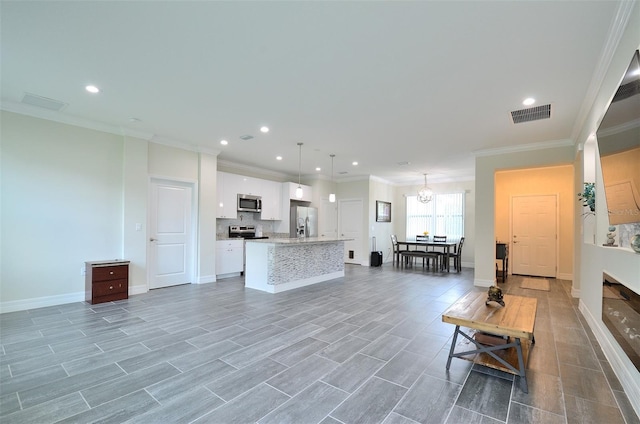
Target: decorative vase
[(635, 243)]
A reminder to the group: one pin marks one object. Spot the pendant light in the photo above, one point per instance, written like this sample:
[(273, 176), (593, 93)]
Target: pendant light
[(299, 189), (425, 193), (332, 196)]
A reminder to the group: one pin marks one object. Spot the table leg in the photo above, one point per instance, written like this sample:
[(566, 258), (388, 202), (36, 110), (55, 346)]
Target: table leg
[(453, 346), (521, 370)]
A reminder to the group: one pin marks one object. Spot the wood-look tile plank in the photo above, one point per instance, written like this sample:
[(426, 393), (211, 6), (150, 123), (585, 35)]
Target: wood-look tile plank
[(248, 408), (371, 403), (309, 406)]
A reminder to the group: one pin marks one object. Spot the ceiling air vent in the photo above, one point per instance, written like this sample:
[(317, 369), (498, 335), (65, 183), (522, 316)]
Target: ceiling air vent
[(627, 90), (43, 102), (246, 137), (531, 114)]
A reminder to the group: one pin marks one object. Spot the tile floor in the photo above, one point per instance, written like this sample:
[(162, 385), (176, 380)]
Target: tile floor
[(366, 348)]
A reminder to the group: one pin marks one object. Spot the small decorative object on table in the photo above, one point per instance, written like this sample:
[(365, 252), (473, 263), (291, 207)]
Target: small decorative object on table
[(494, 295), (635, 243), (611, 237)]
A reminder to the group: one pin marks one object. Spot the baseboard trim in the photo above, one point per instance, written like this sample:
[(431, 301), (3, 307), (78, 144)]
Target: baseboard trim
[(483, 283), (575, 292), (205, 279), (138, 289), (619, 363), (565, 276), (40, 302)]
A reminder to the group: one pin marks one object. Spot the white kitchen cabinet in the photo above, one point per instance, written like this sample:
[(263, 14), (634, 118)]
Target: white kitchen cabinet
[(307, 191), (227, 195), (249, 185), (229, 256), (271, 201)]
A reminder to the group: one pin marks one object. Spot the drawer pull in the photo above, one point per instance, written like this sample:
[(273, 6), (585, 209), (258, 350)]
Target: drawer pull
[(111, 272), (110, 287)]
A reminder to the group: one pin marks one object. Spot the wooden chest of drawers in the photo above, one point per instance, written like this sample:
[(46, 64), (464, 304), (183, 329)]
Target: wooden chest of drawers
[(106, 281)]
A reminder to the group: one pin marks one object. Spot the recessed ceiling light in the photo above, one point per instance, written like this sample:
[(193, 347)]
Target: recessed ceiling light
[(278, 157), (318, 168), (354, 163), (264, 129), (92, 89), (224, 142), (528, 101)]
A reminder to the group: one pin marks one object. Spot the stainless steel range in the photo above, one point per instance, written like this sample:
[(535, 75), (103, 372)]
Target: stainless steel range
[(244, 231)]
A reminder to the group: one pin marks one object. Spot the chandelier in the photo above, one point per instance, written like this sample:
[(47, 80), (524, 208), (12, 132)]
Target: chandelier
[(425, 193)]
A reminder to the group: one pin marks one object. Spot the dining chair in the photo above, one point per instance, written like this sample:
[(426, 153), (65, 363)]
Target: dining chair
[(457, 256), (429, 255), (440, 239), (397, 252)]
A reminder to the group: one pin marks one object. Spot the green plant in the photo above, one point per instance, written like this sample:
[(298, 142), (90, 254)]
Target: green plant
[(588, 196)]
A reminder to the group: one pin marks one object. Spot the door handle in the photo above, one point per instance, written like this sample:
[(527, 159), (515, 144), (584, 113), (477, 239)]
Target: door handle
[(152, 239)]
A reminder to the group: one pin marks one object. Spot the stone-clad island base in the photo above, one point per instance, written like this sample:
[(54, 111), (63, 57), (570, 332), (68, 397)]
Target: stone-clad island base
[(277, 265)]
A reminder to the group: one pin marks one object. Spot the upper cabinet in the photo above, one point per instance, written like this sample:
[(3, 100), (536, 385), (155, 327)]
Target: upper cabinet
[(271, 201), (230, 185), (227, 195), (249, 185), (307, 194)]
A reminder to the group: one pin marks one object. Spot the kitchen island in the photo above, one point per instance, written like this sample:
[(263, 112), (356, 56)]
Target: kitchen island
[(277, 265)]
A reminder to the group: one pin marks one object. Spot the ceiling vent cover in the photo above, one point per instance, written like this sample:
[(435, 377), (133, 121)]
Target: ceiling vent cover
[(246, 137), (627, 90), (531, 114), (43, 102)]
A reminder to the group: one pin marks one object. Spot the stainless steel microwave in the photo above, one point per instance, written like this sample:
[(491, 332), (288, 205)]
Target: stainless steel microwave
[(249, 203)]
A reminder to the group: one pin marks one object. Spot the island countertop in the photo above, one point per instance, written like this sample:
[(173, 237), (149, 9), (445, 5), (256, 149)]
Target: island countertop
[(305, 240), (276, 265)]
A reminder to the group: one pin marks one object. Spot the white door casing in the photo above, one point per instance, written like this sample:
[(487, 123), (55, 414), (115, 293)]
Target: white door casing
[(350, 226), (534, 235), (171, 234)]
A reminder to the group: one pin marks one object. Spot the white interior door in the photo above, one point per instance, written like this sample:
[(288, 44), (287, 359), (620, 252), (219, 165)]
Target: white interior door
[(350, 226), (170, 234), (534, 235), (328, 215)]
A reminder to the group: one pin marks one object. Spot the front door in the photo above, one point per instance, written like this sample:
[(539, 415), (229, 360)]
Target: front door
[(170, 233), (350, 226), (534, 235)]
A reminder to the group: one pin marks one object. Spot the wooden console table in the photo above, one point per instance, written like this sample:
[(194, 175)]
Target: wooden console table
[(514, 322)]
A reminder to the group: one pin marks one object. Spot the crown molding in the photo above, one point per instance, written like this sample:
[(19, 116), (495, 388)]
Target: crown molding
[(197, 148), (616, 31), (241, 167), (543, 145), (50, 115), (619, 128)]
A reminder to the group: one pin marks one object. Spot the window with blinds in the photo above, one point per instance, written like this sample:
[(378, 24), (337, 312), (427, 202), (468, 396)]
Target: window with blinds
[(442, 216)]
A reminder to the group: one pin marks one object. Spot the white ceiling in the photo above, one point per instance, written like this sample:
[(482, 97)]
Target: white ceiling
[(378, 82)]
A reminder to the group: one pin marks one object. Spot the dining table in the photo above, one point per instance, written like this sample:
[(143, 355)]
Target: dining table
[(446, 247)]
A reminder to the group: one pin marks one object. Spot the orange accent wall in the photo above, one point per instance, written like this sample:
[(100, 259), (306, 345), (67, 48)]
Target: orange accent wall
[(539, 181)]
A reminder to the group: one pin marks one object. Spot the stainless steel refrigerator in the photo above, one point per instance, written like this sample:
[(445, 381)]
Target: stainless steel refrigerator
[(303, 222)]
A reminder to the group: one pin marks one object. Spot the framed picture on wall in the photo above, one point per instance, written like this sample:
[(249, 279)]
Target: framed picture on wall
[(383, 211)]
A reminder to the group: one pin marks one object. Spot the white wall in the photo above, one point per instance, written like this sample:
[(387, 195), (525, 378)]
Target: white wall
[(62, 205), (207, 218), (594, 259), (382, 231), (71, 195), (134, 241)]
